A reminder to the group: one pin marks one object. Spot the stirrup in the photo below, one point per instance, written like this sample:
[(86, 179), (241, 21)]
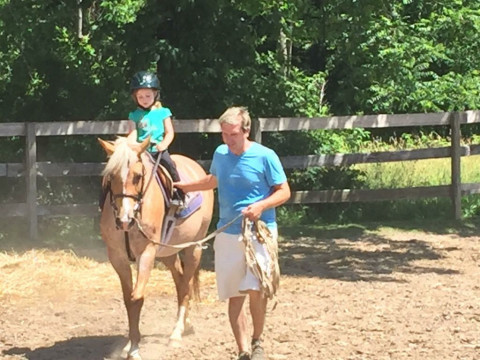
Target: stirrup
[(178, 204)]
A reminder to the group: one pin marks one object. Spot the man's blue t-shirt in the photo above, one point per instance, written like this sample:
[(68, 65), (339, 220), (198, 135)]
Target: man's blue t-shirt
[(245, 179), (150, 122)]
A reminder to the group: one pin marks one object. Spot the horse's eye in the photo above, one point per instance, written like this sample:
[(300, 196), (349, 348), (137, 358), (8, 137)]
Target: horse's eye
[(137, 178)]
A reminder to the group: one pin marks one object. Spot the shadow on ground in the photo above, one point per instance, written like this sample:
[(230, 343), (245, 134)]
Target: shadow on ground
[(464, 228), (353, 253), (90, 347)]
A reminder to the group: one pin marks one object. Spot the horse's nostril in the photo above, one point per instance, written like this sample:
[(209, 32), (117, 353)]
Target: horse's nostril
[(118, 223), (131, 223)]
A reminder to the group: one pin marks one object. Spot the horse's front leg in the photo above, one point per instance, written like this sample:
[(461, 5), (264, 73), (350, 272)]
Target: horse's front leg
[(145, 263), (121, 264)]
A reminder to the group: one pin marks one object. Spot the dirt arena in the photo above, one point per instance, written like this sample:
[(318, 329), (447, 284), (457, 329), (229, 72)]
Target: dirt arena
[(349, 293)]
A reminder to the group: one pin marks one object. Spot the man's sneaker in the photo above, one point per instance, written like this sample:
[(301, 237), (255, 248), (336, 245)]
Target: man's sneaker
[(257, 350), (243, 356)]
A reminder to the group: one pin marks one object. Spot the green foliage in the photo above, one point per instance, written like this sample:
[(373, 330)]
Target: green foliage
[(279, 58), (121, 12), (471, 206), (430, 62), (410, 56)]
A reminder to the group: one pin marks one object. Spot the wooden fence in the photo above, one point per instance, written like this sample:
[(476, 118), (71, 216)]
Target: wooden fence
[(31, 210)]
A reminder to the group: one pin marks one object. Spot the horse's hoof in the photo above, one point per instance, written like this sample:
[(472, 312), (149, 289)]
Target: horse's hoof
[(175, 343), (136, 296), (189, 330), (135, 356)]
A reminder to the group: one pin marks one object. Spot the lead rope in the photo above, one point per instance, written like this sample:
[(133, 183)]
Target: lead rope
[(192, 243)]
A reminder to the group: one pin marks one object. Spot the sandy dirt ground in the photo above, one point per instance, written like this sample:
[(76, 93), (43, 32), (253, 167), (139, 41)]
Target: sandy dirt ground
[(345, 294)]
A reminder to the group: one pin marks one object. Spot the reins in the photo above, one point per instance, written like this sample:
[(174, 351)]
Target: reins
[(152, 174)]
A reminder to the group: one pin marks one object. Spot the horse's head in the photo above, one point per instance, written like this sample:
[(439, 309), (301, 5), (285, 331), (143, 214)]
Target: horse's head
[(125, 176)]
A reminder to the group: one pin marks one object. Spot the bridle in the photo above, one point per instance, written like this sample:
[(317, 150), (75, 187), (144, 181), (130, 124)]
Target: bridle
[(138, 198)]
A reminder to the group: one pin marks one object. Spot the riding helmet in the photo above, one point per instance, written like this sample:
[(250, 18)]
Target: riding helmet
[(144, 80)]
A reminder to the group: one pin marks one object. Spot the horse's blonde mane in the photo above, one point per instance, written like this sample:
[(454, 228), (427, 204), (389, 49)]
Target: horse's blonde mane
[(120, 157)]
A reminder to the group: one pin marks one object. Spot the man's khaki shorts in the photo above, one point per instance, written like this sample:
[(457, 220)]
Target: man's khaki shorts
[(233, 276)]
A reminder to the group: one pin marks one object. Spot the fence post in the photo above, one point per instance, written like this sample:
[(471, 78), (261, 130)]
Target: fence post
[(456, 190), (256, 130), (31, 179)]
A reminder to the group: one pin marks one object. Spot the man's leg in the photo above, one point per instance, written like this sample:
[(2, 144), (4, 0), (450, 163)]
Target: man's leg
[(258, 309), (238, 322)]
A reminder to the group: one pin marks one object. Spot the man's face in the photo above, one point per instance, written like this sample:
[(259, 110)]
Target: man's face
[(234, 137)]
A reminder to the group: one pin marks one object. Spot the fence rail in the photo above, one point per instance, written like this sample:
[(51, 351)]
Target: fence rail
[(30, 168)]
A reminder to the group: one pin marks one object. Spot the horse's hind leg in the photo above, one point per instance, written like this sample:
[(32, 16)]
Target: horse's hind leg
[(121, 264), (191, 268), (183, 276)]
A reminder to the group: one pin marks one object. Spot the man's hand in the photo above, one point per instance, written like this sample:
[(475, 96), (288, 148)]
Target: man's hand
[(179, 184), (253, 211)]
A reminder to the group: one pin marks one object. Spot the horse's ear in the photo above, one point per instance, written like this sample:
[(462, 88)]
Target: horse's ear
[(107, 145), (144, 145)]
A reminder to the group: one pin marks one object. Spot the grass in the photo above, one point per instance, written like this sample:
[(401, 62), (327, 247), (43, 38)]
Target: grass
[(428, 172), (392, 175)]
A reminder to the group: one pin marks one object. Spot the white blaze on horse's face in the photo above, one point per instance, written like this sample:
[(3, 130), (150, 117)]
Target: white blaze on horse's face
[(127, 208), (131, 179)]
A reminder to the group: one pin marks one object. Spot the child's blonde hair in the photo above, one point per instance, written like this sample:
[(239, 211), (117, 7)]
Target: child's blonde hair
[(157, 105)]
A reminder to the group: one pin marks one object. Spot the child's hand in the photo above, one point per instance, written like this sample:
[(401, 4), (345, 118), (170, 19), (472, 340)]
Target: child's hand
[(160, 147)]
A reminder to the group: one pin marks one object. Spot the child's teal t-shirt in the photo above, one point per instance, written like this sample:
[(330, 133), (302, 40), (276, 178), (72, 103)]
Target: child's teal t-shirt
[(150, 123)]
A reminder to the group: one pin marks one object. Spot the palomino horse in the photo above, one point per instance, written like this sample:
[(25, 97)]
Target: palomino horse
[(131, 227)]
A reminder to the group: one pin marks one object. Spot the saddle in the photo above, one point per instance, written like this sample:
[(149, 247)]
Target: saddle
[(193, 200)]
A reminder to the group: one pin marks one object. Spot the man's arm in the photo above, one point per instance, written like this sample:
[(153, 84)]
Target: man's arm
[(279, 195), (208, 182)]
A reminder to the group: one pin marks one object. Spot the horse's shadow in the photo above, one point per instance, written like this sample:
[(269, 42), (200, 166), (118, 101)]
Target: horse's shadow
[(79, 348)]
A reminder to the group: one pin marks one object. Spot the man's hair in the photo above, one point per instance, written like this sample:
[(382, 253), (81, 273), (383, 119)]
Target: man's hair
[(233, 114)]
